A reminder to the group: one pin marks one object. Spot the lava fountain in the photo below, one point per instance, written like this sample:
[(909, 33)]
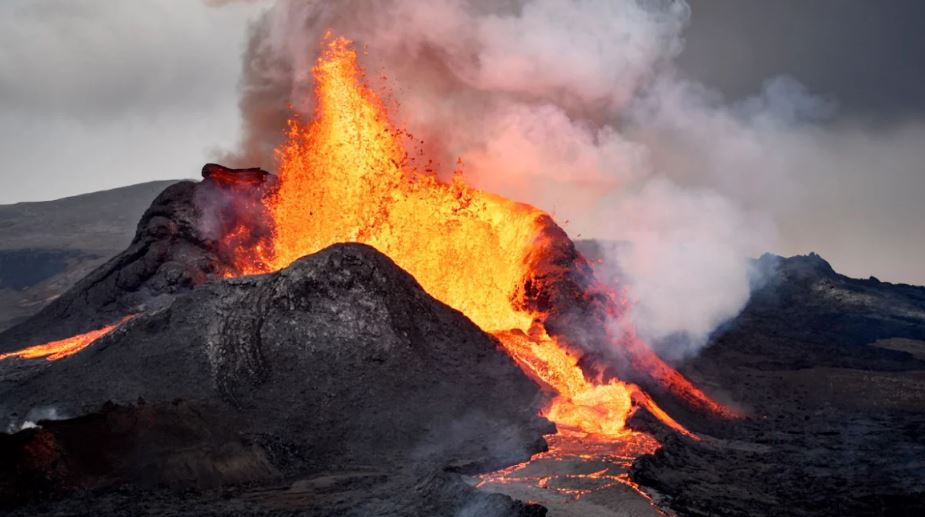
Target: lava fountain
[(346, 176)]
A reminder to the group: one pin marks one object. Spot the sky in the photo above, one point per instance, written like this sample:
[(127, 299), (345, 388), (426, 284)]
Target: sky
[(96, 94)]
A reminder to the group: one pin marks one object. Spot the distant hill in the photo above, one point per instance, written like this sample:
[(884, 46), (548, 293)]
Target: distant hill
[(47, 246)]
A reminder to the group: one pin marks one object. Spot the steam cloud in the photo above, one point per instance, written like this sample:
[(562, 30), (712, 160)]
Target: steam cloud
[(577, 108)]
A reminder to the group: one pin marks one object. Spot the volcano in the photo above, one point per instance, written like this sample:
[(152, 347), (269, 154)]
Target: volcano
[(155, 324), (355, 335)]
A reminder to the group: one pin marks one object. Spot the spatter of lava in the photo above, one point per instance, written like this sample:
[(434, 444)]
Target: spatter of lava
[(345, 176)]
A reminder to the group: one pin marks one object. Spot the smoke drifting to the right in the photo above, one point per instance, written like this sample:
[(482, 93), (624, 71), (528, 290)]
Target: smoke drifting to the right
[(576, 107)]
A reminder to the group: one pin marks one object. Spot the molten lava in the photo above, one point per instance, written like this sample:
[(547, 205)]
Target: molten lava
[(346, 176), (574, 467), (600, 409), (62, 348), (251, 177)]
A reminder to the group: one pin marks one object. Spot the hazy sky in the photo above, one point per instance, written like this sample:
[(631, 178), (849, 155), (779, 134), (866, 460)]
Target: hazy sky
[(96, 94), (866, 55)]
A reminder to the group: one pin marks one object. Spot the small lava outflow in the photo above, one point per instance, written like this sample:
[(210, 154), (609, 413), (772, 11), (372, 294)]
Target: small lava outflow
[(62, 348)]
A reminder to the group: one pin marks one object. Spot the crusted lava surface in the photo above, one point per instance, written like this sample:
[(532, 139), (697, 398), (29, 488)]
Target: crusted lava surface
[(345, 389)]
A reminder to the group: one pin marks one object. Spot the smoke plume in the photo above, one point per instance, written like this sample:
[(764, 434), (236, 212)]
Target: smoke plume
[(575, 107)]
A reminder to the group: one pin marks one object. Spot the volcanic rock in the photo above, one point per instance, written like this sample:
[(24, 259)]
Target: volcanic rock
[(337, 365), (586, 315), (183, 241), (829, 372)]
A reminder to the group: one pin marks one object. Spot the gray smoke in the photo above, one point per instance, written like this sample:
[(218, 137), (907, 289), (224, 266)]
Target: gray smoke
[(577, 108)]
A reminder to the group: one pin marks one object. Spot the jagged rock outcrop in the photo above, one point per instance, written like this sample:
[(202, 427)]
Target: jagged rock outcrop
[(804, 299)]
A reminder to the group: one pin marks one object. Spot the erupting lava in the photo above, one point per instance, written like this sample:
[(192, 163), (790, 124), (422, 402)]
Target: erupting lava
[(346, 176), (55, 350)]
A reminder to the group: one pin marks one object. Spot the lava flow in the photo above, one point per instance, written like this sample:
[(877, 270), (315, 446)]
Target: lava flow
[(62, 348), (574, 467), (345, 176)]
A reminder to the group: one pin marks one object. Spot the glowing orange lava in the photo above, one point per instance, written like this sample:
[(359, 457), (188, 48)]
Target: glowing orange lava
[(345, 177), (574, 467), (62, 348)]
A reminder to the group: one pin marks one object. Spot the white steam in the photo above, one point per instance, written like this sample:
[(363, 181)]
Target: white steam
[(576, 108), (34, 416)]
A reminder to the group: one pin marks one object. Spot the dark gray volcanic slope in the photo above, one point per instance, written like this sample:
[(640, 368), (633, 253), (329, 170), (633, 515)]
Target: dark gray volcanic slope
[(338, 371), (830, 372), (169, 254), (46, 247)]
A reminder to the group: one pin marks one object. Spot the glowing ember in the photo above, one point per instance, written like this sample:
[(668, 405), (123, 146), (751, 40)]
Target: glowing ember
[(346, 177), (62, 348)]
